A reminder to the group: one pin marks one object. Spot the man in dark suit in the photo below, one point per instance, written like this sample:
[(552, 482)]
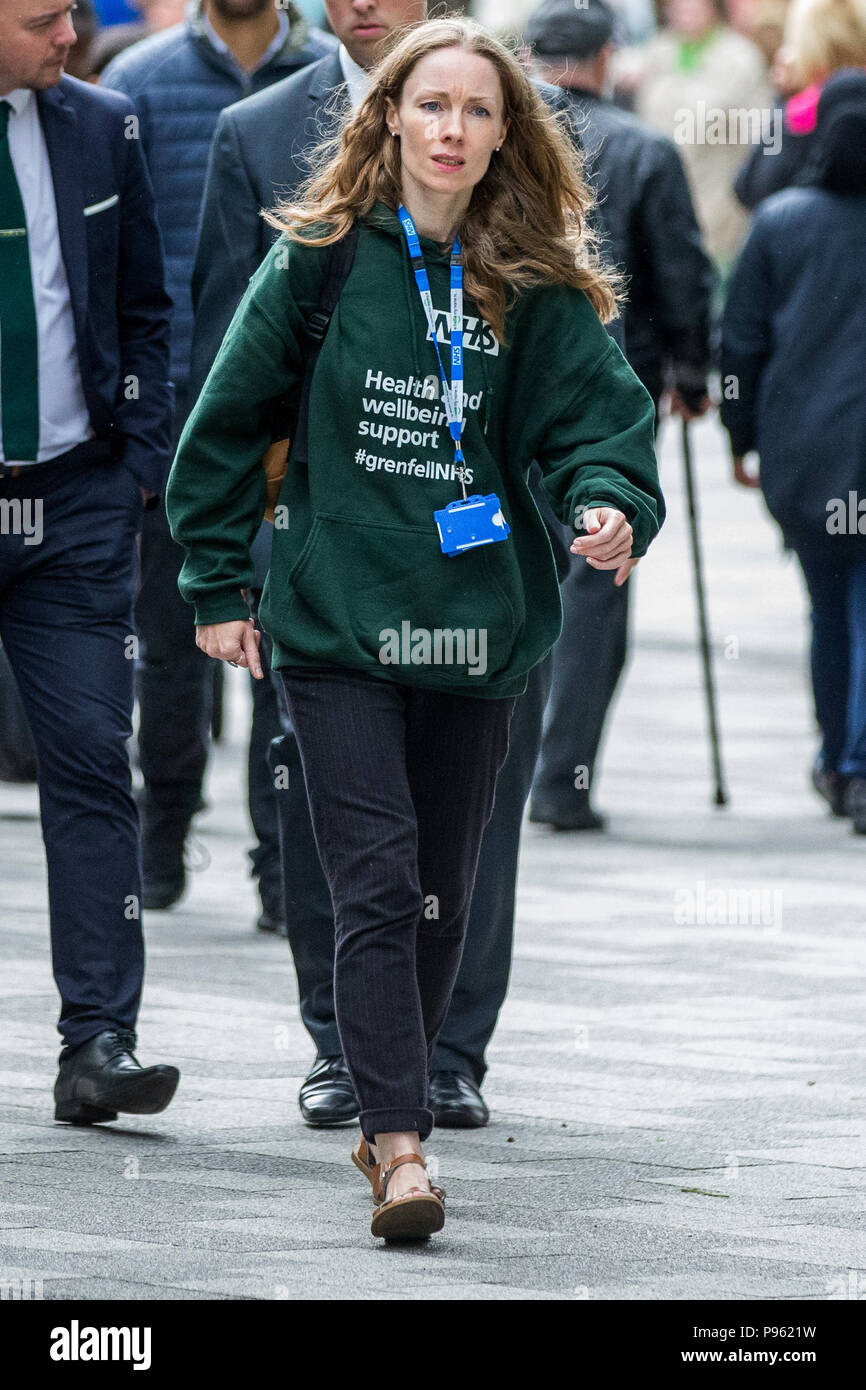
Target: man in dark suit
[(85, 404), (178, 81), (259, 151)]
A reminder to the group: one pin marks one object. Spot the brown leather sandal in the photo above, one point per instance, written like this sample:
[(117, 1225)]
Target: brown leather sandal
[(414, 1216), (363, 1159)]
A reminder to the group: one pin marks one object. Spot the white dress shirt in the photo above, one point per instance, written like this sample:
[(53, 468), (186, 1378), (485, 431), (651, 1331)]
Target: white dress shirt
[(358, 80), (64, 420)]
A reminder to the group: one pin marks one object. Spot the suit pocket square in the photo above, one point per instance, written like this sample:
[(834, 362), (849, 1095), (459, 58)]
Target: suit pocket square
[(103, 206)]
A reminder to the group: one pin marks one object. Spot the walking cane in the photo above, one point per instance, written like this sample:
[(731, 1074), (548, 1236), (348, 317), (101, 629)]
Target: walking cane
[(721, 795)]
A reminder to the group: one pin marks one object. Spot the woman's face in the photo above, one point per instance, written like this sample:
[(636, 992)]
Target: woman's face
[(450, 120)]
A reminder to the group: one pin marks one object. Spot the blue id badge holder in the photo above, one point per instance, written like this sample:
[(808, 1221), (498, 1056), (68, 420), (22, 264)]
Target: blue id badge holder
[(471, 521), (465, 525)]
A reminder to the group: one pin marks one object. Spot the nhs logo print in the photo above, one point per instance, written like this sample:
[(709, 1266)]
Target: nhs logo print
[(477, 335)]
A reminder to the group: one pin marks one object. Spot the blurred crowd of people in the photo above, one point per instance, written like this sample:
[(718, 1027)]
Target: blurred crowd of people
[(683, 67)]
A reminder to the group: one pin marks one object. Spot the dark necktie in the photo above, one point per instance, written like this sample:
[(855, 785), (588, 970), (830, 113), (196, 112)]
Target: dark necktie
[(19, 344)]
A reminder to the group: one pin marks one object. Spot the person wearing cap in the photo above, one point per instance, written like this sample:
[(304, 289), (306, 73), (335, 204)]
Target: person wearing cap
[(646, 216)]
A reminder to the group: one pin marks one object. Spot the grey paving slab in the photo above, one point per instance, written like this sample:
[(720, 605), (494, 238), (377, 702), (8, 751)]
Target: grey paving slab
[(678, 1089)]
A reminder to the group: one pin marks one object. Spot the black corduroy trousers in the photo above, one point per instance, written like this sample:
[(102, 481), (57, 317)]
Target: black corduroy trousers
[(400, 783)]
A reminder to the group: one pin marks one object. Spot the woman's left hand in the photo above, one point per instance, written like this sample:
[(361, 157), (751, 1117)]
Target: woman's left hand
[(608, 540)]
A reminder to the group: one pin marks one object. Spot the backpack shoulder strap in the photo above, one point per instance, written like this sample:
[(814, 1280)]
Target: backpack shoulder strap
[(340, 263)]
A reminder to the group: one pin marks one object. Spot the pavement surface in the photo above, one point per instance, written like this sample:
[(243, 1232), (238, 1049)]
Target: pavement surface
[(678, 1084)]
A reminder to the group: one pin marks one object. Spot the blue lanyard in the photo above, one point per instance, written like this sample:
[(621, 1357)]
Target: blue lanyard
[(453, 394)]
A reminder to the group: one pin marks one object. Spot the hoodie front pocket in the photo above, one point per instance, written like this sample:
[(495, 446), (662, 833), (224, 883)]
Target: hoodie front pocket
[(363, 592)]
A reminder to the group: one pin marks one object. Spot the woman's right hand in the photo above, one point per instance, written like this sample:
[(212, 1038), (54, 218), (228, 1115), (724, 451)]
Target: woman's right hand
[(237, 643)]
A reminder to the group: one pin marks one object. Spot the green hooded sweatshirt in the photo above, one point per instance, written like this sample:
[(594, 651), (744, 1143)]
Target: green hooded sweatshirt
[(357, 577)]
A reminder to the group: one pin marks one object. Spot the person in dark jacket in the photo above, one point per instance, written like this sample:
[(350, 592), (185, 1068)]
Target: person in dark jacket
[(179, 81), (84, 319), (778, 162), (261, 148), (794, 378), (646, 215)]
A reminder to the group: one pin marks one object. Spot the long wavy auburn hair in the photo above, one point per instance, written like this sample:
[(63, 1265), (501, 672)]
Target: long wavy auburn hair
[(527, 223)]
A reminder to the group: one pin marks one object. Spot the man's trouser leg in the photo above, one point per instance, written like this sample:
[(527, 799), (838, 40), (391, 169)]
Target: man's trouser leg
[(66, 625), (175, 678), (482, 981), (309, 911), (588, 661)]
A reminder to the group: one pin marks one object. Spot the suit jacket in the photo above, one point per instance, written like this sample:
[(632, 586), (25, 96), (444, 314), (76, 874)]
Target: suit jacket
[(112, 254), (258, 153)]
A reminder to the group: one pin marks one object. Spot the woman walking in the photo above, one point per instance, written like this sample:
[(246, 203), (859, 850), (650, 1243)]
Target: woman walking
[(794, 342), (412, 586)]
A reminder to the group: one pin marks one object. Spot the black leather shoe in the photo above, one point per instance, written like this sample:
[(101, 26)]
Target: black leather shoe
[(103, 1077), (163, 840), (272, 918), (582, 818), (269, 924), (163, 889), (456, 1101), (327, 1096)]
